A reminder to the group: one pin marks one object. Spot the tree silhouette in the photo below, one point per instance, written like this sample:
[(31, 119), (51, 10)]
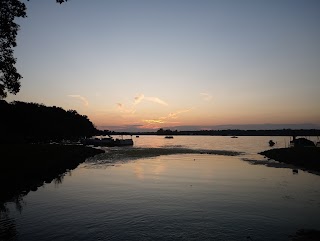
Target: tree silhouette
[(37, 123), (9, 77)]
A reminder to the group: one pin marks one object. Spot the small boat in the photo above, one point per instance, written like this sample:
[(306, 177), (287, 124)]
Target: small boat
[(137, 136), (168, 137), (234, 137), (271, 143)]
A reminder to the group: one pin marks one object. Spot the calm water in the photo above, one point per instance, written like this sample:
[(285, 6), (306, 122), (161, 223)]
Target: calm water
[(186, 188)]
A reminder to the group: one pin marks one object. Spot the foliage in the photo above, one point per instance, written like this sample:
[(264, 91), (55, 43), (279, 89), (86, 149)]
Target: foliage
[(31, 122), (9, 77)]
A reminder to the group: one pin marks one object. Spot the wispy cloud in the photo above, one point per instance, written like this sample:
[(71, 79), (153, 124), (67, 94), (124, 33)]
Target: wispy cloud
[(154, 121), (130, 109), (124, 109), (83, 99), (174, 115), (206, 96), (170, 119), (156, 100), (141, 97), (138, 99)]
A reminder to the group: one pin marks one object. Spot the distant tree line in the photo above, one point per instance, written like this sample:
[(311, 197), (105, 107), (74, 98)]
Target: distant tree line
[(235, 132), (279, 132), (35, 123), (166, 132)]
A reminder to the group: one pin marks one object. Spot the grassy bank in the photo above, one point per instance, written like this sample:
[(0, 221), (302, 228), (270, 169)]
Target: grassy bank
[(307, 158), (25, 167)]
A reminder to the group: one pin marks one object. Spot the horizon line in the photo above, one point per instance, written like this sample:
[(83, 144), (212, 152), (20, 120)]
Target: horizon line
[(267, 126)]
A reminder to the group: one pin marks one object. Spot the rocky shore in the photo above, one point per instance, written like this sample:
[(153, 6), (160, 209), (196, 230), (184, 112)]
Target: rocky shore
[(25, 167), (306, 158)]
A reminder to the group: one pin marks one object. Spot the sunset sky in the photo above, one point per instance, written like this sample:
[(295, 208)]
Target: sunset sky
[(152, 64)]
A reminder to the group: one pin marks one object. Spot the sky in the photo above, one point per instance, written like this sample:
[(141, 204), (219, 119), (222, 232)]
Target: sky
[(143, 65)]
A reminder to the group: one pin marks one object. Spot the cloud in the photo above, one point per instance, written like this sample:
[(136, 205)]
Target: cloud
[(131, 108), (154, 121), (138, 99), (174, 115), (123, 109), (156, 100), (120, 106), (83, 99), (141, 97), (206, 96)]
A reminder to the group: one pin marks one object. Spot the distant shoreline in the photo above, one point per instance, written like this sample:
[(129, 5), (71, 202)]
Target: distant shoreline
[(25, 167), (231, 132)]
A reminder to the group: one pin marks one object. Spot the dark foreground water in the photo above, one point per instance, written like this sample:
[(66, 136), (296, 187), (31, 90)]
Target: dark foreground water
[(186, 188)]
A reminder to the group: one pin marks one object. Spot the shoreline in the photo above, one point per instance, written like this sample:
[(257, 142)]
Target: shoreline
[(305, 158), (25, 167)]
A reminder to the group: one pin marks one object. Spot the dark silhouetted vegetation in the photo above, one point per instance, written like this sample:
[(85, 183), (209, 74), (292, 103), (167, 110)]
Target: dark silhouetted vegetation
[(23, 122), (166, 132), (9, 77), (26, 161), (28, 157)]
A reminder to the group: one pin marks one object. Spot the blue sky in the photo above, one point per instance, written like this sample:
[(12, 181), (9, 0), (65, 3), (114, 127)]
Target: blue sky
[(152, 64)]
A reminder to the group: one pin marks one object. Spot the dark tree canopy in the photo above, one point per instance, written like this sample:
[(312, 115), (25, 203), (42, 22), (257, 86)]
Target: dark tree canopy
[(9, 77), (32, 122)]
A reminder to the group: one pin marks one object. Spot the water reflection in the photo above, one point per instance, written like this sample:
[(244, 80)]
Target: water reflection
[(18, 199), (139, 171), (172, 197), (157, 168), (172, 193), (8, 230), (59, 179)]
